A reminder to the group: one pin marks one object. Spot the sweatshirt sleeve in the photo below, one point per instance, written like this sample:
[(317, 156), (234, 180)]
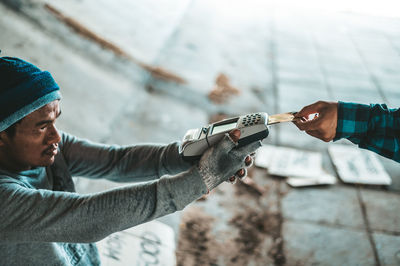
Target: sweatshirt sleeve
[(30, 215), (121, 163), (374, 127)]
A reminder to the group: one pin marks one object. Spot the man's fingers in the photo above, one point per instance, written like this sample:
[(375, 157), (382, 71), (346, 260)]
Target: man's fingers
[(241, 173), (308, 125), (305, 119), (244, 175), (308, 110), (232, 179), (229, 141), (248, 161)]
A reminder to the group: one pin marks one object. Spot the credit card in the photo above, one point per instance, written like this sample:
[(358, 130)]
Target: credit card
[(280, 118)]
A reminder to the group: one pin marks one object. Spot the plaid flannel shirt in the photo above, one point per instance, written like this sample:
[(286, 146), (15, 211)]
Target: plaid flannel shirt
[(374, 127)]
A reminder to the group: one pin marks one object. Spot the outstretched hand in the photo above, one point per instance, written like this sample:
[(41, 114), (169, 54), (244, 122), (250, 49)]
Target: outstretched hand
[(318, 120), (225, 161)]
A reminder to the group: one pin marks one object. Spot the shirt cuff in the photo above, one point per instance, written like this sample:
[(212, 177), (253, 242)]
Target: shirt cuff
[(174, 160), (352, 120)]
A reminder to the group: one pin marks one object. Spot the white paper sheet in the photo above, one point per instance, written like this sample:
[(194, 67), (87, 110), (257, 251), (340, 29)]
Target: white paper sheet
[(151, 243), (263, 155), (355, 165), (303, 168), (283, 161)]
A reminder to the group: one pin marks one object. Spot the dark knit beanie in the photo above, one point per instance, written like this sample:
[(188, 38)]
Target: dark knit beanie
[(24, 88)]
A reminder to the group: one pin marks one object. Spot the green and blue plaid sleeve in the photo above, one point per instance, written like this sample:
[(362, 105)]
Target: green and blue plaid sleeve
[(374, 127)]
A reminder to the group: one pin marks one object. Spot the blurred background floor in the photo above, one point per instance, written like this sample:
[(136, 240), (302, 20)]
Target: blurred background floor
[(280, 56)]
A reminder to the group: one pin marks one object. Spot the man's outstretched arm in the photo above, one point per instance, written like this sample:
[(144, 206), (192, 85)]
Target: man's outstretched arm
[(374, 127)]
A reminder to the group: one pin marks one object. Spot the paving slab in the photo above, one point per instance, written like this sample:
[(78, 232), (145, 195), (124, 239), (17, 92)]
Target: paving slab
[(360, 98), (349, 63), (383, 210), (302, 64), (389, 79), (395, 42), (385, 63), (371, 45), (233, 225), (350, 70), (312, 244), (360, 91), (156, 119), (315, 81), (389, 85), (388, 247), (289, 33), (291, 48), (224, 46), (298, 96), (393, 99), (336, 44), (84, 84), (128, 23), (332, 205), (357, 84)]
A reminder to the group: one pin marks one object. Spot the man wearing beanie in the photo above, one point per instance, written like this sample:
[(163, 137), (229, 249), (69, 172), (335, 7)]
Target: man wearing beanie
[(43, 221)]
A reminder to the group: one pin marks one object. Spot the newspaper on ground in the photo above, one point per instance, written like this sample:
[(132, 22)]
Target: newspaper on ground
[(152, 243), (355, 165), (303, 168)]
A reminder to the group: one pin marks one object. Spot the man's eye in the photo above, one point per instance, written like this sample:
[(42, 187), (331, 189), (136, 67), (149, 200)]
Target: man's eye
[(43, 127)]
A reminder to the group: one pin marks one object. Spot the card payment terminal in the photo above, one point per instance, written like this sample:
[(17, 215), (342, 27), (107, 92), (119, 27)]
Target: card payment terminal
[(252, 127)]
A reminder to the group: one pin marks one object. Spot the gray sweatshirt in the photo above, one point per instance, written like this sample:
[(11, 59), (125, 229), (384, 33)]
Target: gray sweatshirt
[(44, 222)]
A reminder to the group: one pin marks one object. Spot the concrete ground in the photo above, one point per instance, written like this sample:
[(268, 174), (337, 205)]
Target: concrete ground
[(279, 58)]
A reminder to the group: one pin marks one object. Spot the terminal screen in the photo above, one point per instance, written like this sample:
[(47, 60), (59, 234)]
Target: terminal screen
[(222, 128)]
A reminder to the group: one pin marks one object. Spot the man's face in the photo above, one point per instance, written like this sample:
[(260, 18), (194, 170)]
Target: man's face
[(35, 142)]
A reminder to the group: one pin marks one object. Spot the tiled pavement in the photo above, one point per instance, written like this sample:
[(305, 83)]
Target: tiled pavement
[(281, 59)]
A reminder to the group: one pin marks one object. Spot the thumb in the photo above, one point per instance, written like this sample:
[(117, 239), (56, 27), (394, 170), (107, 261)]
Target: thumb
[(235, 135), (308, 110), (229, 141)]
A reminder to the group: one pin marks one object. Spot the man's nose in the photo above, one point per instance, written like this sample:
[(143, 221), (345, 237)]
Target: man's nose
[(53, 136)]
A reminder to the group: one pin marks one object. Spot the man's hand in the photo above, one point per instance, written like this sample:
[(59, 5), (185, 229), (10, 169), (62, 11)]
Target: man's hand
[(318, 120), (225, 161)]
